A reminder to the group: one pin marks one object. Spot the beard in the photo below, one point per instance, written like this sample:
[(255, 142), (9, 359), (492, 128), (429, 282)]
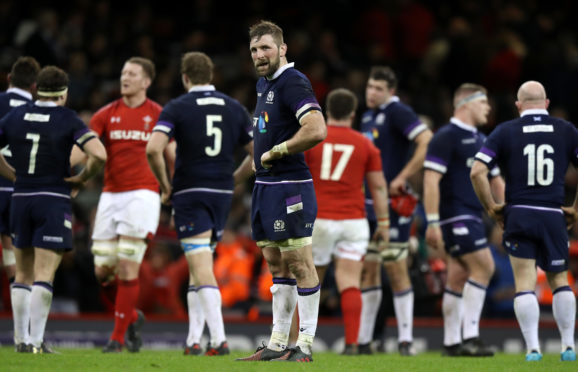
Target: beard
[(273, 66)]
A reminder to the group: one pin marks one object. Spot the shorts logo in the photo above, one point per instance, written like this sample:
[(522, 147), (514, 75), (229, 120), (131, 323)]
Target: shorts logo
[(189, 227), (53, 239), (454, 248), (294, 204), (279, 226), (558, 262)]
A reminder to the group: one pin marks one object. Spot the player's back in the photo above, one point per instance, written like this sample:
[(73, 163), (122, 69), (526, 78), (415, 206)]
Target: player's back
[(338, 166), (41, 138), (208, 126), (534, 152)]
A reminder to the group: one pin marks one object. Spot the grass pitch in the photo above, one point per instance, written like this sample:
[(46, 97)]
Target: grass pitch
[(87, 360)]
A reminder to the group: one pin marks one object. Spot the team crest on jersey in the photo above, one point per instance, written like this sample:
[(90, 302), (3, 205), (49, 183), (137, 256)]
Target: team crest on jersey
[(270, 97), (279, 225), (380, 118), (262, 122), (115, 119), (147, 122)]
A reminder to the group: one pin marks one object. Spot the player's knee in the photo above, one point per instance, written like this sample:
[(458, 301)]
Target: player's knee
[(131, 249), (194, 246), (105, 256)]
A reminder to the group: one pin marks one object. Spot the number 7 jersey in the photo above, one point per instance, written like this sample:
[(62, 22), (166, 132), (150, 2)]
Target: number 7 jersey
[(533, 153), (338, 166)]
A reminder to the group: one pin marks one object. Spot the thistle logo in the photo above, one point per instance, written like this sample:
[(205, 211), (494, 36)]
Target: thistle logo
[(263, 120)]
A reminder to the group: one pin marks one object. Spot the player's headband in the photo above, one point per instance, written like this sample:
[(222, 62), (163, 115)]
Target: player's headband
[(52, 93), (472, 97)]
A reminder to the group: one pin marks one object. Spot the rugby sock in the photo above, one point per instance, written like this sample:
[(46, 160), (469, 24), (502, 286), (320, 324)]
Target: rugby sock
[(474, 297), (284, 292), (351, 310), (370, 302), (40, 301), (196, 317), (124, 312), (528, 314), (453, 309), (564, 309), (210, 299), (308, 306), (108, 291), (403, 305), (20, 297)]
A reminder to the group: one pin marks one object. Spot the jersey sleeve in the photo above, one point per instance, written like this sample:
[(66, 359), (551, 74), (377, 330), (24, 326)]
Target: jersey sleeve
[(407, 122), (82, 134), (374, 158), (299, 96), (439, 152), (98, 121), (488, 153), (166, 122)]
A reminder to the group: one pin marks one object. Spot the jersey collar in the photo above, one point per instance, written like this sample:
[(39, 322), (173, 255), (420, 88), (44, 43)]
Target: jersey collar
[(45, 104), (534, 112), (392, 99), (457, 122), (202, 88), (281, 70), (20, 92)]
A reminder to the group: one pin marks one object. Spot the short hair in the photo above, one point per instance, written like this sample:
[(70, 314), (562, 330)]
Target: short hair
[(24, 72), (198, 67), (384, 73), (467, 89), (51, 82), (263, 27), (147, 65), (341, 103)]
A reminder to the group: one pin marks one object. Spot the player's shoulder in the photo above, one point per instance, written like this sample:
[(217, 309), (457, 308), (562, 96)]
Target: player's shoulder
[(154, 105), (397, 106), (109, 107)]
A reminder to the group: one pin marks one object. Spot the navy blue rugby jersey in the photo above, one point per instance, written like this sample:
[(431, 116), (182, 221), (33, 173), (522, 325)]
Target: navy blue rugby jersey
[(281, 103), (208, 126), (13, 97), (451, 152), (533, 152), (392, 127), (41, 136)]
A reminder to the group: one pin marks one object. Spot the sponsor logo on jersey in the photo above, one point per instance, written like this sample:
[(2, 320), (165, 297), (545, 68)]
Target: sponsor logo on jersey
[(37, 117), (16, 102), (270, 97), (262, 122), (279, 225), (135, 135), (538, 128), (469, 141)]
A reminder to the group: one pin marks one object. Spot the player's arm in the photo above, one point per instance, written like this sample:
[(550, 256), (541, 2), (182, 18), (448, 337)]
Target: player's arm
[(313, 130), (6, 169), (96, 157), (170, 155), (498, 187), (155, 149), (397, 185), (378, 187), (77, 156), (481, 184), (246, 169), (431, 203)]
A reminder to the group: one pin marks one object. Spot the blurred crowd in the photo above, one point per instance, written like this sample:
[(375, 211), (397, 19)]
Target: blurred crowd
[(433, 45)]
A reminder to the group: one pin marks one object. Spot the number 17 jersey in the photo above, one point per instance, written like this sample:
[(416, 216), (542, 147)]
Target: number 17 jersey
[(533, 152), (338, 166)]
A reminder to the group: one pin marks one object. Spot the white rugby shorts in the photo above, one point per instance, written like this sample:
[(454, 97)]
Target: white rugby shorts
[(132, 213), (342, 238)]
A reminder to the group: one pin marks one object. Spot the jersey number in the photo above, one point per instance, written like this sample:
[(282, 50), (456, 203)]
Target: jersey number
[(327, 160), (214, 131), (35, 138), (540, 168)]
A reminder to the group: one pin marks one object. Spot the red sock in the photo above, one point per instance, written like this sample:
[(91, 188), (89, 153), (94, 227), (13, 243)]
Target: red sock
[(124, 313), (351, 310), (108, 295)]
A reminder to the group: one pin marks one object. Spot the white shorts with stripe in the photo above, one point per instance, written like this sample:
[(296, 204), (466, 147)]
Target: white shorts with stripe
[(342, 238)]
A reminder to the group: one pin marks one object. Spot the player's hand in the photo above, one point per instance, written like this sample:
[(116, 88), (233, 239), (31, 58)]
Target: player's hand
[(434, 238), (76, 182), (397, 186), (277, 152), (570, 215), (497, 214), (381, 237), (166, 193)]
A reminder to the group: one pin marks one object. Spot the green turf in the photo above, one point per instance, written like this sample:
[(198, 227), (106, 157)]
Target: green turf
[(87, 360)]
